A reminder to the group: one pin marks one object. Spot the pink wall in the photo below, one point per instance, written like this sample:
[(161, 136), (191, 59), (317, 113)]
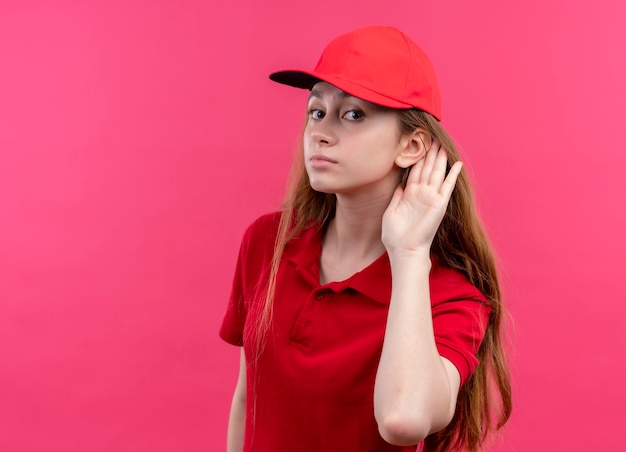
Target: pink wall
[(139, 138)]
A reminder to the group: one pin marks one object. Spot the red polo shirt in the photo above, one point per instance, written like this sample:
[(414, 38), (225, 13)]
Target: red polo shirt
[(313, 386)]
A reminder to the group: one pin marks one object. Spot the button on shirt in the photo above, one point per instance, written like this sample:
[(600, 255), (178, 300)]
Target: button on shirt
[(312, 387)]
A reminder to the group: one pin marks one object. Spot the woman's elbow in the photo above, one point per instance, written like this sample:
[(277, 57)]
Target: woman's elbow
[(405, 430), (402, 430)]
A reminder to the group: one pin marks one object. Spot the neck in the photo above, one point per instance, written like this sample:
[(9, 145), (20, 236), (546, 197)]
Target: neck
[(355, 231)]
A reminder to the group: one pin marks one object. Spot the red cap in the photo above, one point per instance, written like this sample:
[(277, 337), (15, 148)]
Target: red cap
[(377, 64)]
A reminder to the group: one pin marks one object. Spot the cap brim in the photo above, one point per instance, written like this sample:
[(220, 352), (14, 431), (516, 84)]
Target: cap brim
[(297, 79), (306, 80)]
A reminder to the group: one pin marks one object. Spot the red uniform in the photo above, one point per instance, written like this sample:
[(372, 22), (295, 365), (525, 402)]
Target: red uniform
[(312, 388)]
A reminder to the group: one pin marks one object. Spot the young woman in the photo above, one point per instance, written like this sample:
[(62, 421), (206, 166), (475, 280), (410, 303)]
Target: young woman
[(368, 309)]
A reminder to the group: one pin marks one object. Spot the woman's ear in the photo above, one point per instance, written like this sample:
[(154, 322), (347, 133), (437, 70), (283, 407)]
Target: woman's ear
[(413, 148)]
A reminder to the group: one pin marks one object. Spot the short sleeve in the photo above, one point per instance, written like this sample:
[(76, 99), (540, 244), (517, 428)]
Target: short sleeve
[(235, 318), (460, 317), (253, 261)]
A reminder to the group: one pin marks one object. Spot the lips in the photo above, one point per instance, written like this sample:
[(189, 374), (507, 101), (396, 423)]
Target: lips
[(322, 158), (319, 161)]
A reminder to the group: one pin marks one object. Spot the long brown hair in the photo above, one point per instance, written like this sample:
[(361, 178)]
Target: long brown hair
[(484, 402)]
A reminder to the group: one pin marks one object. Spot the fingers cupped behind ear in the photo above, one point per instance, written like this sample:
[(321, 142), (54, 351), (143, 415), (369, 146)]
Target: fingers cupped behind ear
[(438, 173), (450, 182), (415, 174), (429, 162)]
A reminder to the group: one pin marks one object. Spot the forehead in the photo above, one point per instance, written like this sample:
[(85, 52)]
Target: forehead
[(323, 89)]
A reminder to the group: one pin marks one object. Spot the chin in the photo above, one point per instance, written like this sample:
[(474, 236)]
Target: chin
[(318, 184), (323, 189)]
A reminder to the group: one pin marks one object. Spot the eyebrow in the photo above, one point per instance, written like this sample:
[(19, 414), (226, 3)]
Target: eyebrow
[(318, 94), (315, 93)]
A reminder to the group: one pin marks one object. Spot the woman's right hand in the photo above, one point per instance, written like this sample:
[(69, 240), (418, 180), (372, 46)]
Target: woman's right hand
[(415, 212)]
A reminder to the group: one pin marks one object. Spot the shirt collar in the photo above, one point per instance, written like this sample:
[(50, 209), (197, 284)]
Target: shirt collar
[(305, 250)]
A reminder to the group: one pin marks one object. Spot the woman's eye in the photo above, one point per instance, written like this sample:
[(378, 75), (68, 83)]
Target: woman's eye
[(316, 113), (353, 115)]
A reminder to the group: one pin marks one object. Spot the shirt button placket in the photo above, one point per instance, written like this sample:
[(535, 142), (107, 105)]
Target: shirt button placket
[(302, 334)]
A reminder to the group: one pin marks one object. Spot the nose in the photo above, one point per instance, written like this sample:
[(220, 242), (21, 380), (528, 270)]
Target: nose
[(322, 134)]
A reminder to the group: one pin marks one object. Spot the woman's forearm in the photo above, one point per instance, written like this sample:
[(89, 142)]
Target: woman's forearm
[(413, 396), (237, 418)]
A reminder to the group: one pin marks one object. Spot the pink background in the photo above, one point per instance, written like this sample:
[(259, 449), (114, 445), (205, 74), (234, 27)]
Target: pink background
[(139, 138)]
